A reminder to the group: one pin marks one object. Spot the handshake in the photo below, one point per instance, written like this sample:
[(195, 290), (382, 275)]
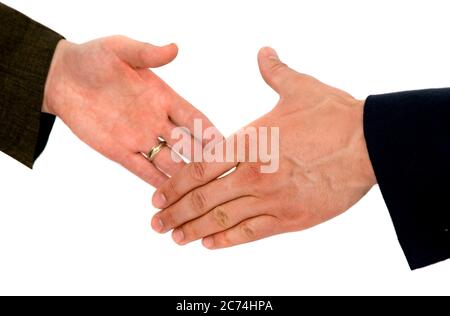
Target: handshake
[(303, 163)]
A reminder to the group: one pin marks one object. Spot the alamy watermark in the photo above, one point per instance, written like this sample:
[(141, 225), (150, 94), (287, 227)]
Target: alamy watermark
[(251, 144)]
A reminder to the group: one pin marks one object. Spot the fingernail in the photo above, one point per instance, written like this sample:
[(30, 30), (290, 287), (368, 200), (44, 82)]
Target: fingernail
[(208, 242), (159, 200), (178, 236), (158, 224), (272, 54)]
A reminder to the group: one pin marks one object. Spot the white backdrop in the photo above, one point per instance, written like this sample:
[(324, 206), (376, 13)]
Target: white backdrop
[(78, 224)]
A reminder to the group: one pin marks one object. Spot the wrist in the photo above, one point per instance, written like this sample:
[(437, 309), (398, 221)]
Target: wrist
[(49, 104), (367, 170)]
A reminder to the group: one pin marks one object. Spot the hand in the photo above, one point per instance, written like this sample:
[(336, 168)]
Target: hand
[(104, 91), (324, 170)]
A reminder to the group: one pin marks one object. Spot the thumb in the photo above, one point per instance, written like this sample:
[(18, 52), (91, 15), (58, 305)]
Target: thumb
[(144, 55), (276, 74)]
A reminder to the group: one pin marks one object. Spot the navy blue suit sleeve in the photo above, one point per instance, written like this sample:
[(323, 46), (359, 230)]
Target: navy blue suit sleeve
[(408, 138)]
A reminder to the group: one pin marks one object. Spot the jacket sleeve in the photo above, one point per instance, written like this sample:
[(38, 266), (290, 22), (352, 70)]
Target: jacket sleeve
[(26, 52), (408, 137)]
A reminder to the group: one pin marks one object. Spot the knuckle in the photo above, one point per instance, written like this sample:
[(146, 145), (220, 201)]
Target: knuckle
[(112, 41), (171, 189), (198, 171), (118, 37), (198, 200), (248, 231), (142, 53), (189, 112), (190, 232), (221, 217), (222, 240), (278, 67), (167, 218)]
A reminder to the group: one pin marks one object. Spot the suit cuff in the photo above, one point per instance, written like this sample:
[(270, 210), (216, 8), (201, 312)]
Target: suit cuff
[(408, 139)]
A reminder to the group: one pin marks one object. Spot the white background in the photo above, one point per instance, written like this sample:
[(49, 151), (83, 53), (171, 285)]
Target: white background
[(79, 224)]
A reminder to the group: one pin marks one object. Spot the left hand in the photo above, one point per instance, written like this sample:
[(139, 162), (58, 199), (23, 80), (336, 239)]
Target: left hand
[(324, 170)]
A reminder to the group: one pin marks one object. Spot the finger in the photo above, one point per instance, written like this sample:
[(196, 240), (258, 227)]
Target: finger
[(197, 174), (166, 162), (198, 203), (192, 176), (221, 218), (143, 55), (182, 142), (184, 114), (142, 168), (250, 230), (277, 75)]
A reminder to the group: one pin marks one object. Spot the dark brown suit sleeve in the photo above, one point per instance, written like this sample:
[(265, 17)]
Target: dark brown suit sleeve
[(26, 52)]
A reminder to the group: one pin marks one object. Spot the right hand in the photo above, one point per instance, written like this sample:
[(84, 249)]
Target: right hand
[(104, 91), (324, 169)]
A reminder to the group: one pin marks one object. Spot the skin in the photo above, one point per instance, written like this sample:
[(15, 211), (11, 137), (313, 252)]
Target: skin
[(104, 91), (324, 170)]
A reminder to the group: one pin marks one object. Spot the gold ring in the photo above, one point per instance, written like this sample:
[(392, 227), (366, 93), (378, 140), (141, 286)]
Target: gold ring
[(156, 150)]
